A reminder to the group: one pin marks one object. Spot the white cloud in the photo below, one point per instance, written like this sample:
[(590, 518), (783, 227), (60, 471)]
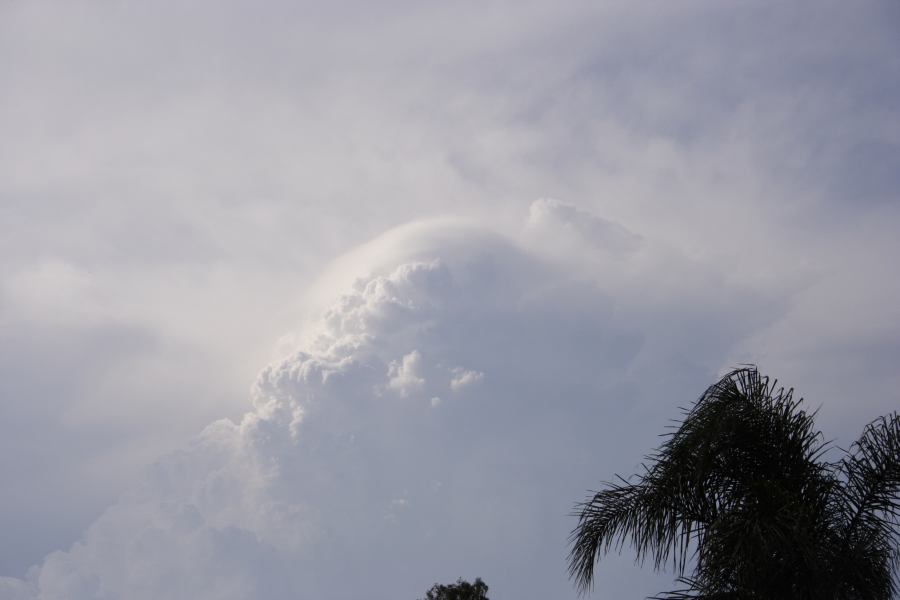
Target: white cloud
[(561, 222), (463, 378), (404, 376)]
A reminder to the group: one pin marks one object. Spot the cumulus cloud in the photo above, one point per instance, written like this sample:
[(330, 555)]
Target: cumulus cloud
[(463, 378), (404, 376), (328, 474)]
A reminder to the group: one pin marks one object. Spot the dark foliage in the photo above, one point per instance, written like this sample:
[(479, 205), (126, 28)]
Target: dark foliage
[(461, 590), (741, 502)]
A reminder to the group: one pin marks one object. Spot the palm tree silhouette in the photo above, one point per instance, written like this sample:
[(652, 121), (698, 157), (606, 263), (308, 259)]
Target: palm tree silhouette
[(741, 501)]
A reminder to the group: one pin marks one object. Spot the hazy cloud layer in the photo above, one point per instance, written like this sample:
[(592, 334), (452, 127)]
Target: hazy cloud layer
[(667, 191)]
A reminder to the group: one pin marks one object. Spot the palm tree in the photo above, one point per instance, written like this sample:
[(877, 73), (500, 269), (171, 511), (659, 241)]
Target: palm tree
[(741, 501)]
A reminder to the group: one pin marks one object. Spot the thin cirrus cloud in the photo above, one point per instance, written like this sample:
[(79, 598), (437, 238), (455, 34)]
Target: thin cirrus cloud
[(345, 478)]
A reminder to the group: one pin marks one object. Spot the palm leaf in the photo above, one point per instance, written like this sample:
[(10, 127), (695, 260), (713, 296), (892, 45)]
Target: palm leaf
[(727, 491), (869, 501)]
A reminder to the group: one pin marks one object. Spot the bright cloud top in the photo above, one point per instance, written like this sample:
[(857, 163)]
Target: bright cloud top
[(439, 419)]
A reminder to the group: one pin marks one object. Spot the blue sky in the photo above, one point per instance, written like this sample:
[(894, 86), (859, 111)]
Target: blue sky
[(288, 288)]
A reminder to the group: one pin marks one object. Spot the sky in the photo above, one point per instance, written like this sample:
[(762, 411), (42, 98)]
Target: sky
[(324, 300)]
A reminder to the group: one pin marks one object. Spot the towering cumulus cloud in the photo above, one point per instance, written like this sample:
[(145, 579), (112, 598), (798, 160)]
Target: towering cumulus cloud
[(437, 420)]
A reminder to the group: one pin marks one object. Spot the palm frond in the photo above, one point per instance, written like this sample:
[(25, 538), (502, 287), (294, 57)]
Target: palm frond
[(731, 483), (740, 491), (870, 504), (651, 515)]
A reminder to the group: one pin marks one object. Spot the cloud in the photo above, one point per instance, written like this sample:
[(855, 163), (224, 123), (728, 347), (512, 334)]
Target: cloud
[(552, 218), (403, 374), (329, 472), (173, 178), (463, 378)]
